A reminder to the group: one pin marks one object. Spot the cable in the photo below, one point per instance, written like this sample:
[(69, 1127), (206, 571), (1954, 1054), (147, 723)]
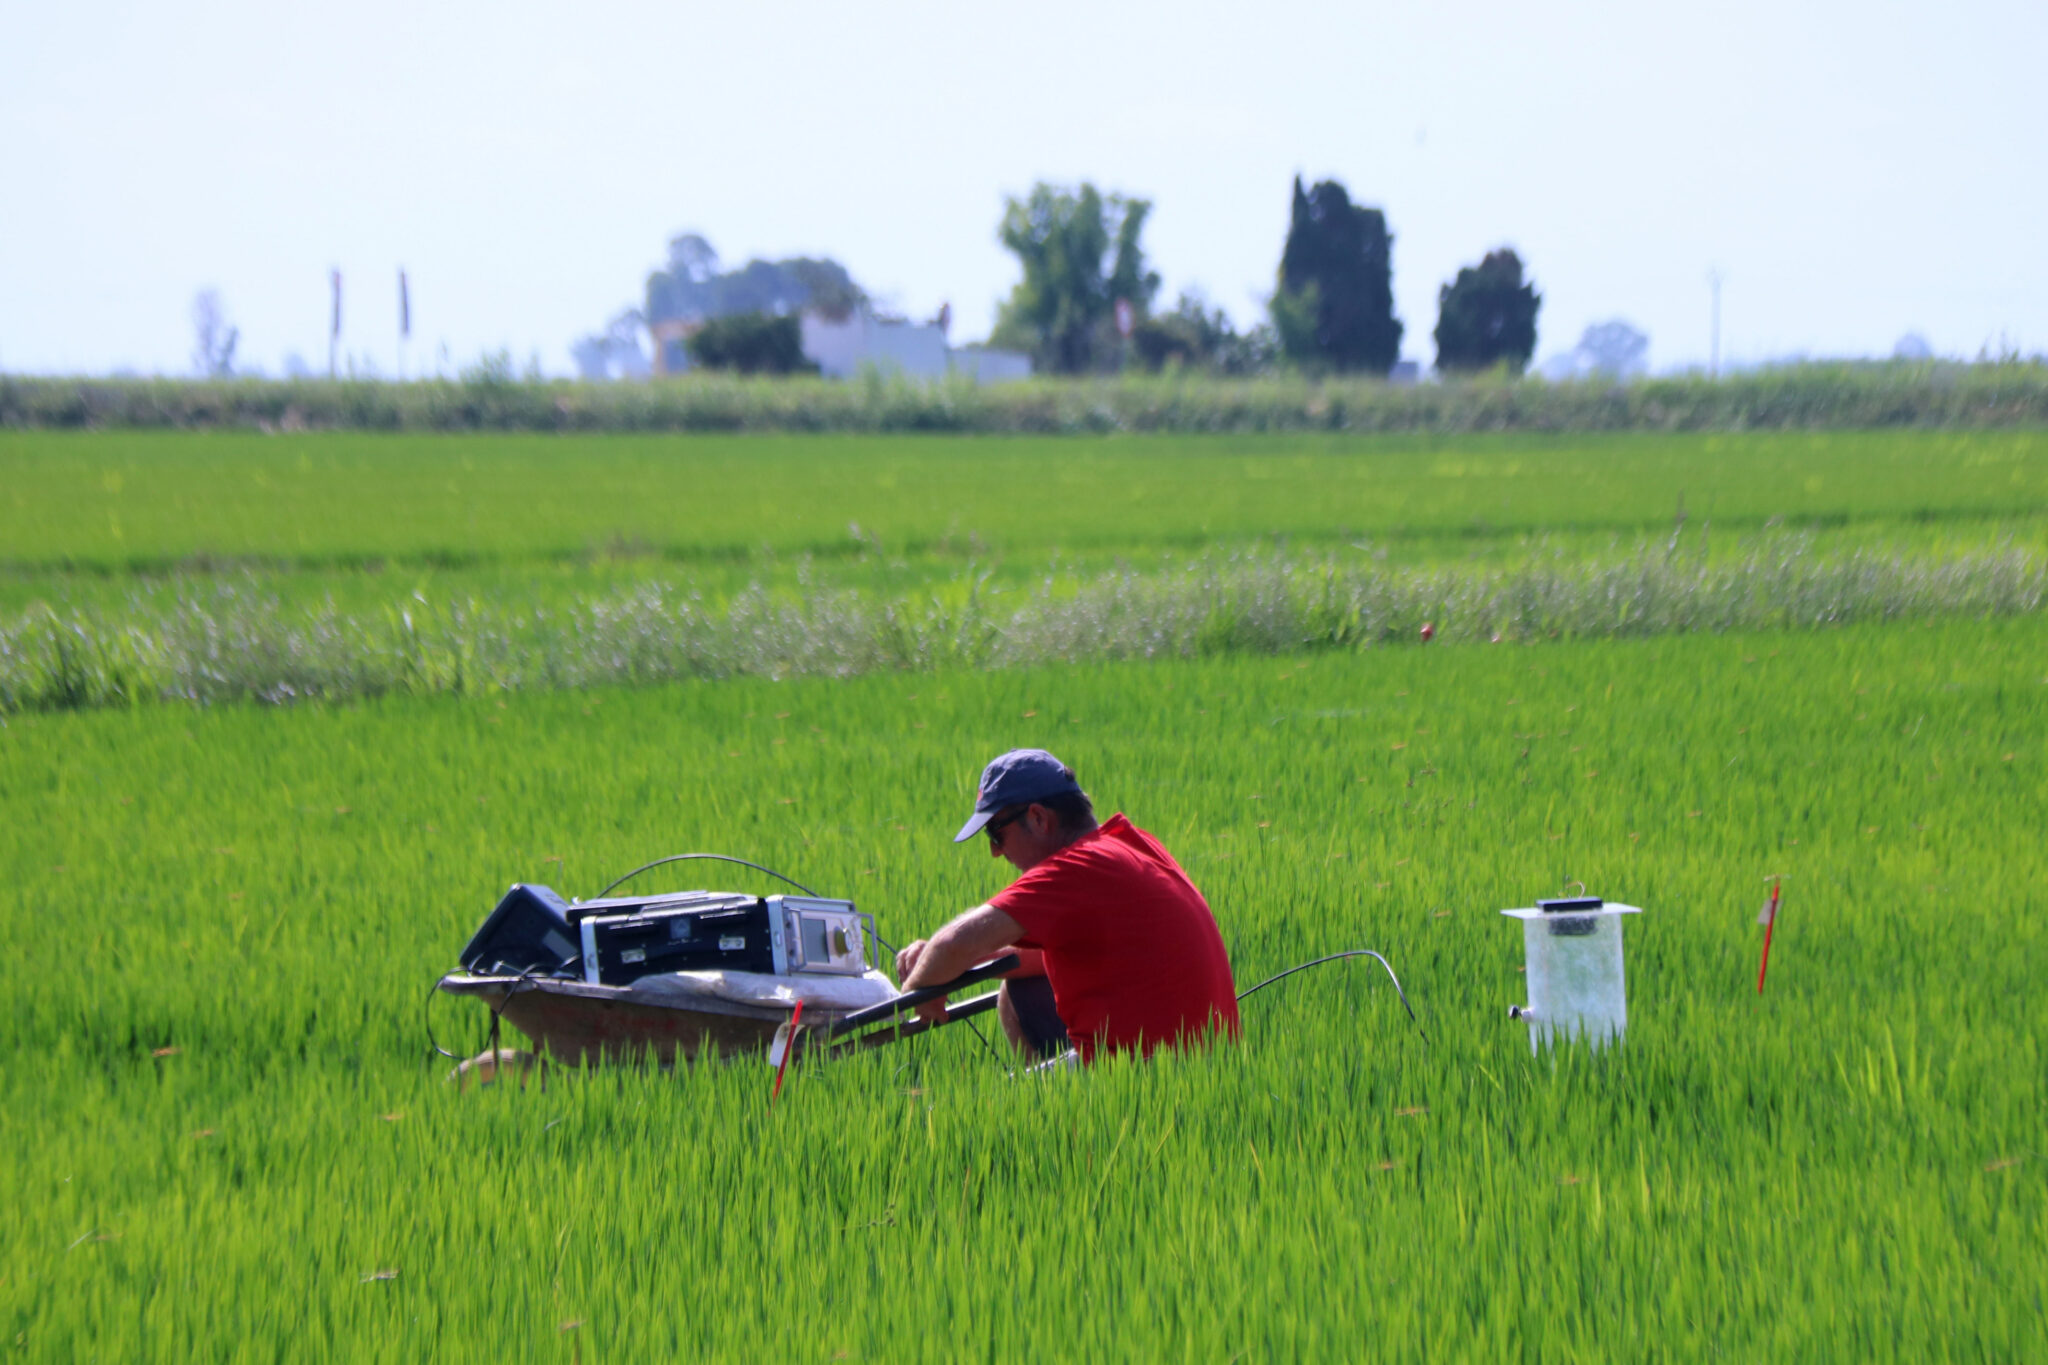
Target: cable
[(497, 1012), (715, 857), (497, 1049), (1333, 957), (427, 1016), (985, 1043)]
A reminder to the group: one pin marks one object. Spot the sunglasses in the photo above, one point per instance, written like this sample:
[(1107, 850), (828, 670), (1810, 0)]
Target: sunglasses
[(994, 828)]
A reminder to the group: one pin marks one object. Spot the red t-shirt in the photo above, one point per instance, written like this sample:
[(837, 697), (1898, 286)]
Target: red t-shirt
[(1130, 947)]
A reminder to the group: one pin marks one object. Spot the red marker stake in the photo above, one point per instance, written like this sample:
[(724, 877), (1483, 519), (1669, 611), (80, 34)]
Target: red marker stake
[(794, 1020), (1770, 923)]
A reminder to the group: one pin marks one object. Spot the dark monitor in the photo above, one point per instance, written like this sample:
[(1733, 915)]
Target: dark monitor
[(528, 932)]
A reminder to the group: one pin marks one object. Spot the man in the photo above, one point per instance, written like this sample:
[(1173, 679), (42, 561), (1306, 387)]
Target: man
[(1129, 954)]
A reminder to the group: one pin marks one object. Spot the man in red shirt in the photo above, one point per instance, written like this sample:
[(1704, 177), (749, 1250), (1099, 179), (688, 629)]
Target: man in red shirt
[(1109, 926)]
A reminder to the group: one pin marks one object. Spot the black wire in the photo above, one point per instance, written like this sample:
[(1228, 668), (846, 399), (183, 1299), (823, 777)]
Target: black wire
[(497, 1011), (985, 1042), (1333, 957), (427, 1016), (715, 857), (497, 1017), (522, 979)]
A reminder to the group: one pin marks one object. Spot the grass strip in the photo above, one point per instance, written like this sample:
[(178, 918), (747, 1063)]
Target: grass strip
[(229, 643), (1808, 396)]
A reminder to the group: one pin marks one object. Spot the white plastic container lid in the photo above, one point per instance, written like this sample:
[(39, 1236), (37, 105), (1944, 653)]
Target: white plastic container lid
[(1594, 907)]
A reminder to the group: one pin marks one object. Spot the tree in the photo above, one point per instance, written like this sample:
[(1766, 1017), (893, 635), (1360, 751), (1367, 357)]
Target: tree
[(1335, 304), (615, 352), (1081, 255), (1613, 350), (1193, 337), (752, 343), (831, 291), (213, 340), (693, 288), (1294, 313), (1487, 316)]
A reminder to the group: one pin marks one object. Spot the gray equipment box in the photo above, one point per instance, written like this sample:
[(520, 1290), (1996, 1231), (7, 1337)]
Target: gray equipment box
[(625, 939)]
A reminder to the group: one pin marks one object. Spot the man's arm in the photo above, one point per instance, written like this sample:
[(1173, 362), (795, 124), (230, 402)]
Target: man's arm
[(971, 938)]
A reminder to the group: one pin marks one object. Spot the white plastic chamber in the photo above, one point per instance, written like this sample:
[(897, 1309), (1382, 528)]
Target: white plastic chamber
[(1572, 950)]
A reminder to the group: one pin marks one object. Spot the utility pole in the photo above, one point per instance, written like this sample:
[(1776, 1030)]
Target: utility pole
[(334, 327), (1714, 284), (404, 320)]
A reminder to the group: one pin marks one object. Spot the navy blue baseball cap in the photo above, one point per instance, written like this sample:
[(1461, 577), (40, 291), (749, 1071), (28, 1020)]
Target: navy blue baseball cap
[(1017, 778)]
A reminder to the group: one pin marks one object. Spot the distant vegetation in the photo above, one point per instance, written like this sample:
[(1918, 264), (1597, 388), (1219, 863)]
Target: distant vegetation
[(751, 343), (1487, 317), (1082, 262), (1334, 309), (1811, 396)]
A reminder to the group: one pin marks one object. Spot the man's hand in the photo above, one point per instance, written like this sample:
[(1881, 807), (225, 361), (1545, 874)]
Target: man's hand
[(906, 962), (971, 938)]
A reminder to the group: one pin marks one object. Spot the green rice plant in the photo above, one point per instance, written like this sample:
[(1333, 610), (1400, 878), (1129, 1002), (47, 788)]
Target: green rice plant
[(226, 1139), (115, 503)]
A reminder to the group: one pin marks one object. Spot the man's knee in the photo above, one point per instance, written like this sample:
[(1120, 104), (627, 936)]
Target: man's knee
[(1030, 1018)]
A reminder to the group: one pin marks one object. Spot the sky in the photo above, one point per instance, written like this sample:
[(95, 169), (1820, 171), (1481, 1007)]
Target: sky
[(1852, 171)]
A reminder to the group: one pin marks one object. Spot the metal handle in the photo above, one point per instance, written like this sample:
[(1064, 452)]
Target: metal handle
[(1008, 962), (889, 1033)]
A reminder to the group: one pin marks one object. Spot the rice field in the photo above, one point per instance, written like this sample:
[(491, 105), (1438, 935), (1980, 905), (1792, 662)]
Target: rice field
[(226, 565), (228, 1140), (110, 503)]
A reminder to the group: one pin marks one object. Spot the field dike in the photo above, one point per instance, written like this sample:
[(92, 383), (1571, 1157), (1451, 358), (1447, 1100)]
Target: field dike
[(2006, 391), (232, 641)]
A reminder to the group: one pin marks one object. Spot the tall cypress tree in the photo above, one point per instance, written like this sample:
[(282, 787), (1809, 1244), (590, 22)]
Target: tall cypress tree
[(1487, 316), (1335, 306)]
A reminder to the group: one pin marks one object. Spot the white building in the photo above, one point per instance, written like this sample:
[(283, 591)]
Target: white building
[(985, 366), (841, 349)]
